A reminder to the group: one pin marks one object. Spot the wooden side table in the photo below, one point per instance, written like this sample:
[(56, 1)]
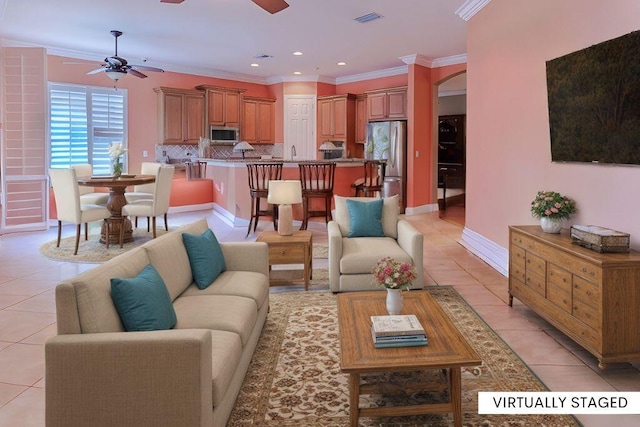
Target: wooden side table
[(294, 249)]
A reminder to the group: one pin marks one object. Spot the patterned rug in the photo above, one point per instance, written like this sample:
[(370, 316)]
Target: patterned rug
[(295, 379), (92, 251)]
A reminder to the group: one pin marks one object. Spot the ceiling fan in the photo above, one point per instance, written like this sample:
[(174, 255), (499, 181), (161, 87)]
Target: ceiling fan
[(116, 67), (271, 6)]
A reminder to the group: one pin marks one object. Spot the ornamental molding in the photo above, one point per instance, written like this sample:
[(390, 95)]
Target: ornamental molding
[(470, 8)]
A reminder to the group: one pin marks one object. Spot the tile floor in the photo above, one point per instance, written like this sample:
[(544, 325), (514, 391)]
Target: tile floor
[(27, 316)]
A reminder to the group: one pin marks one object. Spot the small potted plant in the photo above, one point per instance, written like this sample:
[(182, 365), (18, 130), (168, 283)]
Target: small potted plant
[(395, 276), (115, 152), (551, 208)]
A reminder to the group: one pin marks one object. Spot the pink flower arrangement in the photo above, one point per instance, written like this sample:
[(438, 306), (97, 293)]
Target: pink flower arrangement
[(393, 274), (553, 205)]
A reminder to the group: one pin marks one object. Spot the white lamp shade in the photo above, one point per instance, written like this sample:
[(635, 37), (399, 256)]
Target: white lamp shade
[(327, 145), (115, 75), (243, 146), (284, 192)]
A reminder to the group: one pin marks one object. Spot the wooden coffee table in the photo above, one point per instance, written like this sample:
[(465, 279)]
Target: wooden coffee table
[(447, 349)]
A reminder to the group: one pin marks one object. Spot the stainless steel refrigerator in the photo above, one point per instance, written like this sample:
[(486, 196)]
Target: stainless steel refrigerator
[(388, 141)]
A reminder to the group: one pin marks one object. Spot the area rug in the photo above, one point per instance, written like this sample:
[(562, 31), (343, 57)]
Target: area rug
[(92, 251), (320, 250), (294, 378)]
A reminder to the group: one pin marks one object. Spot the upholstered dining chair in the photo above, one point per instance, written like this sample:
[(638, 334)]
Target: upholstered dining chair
[(68, 206), (88, 195), (259, 176), (317, 183), (159, 204), (144, 191)]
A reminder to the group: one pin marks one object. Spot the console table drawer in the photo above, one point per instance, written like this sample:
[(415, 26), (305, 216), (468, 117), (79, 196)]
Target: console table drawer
[(289, 254)]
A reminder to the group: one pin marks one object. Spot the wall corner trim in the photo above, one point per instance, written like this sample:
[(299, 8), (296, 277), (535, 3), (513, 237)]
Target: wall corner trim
[(470, 8), (491, 253)]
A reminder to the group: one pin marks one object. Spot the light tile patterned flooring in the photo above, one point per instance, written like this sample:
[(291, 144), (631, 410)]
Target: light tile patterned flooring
[(27, 316)]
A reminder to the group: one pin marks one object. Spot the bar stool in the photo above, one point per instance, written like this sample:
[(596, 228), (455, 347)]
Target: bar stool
[(373, 178), (317, 182), (195, 170), (259, 176)]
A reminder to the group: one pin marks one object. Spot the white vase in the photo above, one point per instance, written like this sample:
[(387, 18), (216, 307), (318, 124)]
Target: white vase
[(551, 225), (394, 301)]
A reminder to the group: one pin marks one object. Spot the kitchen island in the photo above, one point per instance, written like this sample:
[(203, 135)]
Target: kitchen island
[(231, 185)]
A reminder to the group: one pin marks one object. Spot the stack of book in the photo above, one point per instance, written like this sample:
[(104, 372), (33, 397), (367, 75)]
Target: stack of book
[(397, 331)]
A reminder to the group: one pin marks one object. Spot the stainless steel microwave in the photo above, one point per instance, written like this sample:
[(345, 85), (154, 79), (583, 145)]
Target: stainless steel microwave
[(222, 135)]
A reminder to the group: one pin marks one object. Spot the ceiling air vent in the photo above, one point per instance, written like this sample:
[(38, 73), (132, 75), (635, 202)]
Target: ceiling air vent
[(368, 17), (262, 56)]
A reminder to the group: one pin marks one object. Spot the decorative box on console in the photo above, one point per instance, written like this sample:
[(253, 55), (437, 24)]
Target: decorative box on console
[(600, 239)]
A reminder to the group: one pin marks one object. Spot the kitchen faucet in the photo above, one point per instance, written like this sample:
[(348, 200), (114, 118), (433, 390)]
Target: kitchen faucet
[(293, 151)]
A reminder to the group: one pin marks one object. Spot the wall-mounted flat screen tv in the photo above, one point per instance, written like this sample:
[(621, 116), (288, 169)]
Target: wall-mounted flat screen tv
[(594, 103)]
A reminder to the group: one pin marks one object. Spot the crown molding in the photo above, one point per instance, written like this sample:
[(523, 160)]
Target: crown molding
[(470, 8), (418, 59), (372, 75), (450, 60), (287, 79)]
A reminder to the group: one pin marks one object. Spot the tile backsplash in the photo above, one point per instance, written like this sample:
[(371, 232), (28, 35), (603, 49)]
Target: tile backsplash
[(217, 151)]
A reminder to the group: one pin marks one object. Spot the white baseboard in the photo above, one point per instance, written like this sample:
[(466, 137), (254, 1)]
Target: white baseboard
[(421, 209), (493, 254), (191, 208)]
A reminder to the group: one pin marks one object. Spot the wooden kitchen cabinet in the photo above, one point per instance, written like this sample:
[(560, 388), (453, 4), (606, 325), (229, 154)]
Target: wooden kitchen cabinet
[(180, 115), (593, 298), (361, 125), (336, 119), (223, 105), (258, 120), (387, 104)]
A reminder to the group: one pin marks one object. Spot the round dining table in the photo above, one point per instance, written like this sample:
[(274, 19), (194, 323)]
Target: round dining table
[(115, 203)]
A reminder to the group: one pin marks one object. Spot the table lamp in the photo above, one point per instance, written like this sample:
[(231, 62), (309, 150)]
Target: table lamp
[(243, 146), (283, 194)]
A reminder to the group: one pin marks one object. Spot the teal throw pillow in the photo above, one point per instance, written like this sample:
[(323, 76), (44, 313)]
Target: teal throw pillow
[(365, 218), (205, 257), (143, 302)]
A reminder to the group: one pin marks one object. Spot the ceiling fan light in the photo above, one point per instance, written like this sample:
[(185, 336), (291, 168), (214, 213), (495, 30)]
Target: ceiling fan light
[(115, 75)]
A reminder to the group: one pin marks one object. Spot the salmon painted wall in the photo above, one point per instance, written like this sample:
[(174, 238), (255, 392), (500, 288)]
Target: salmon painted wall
[(508, 143), (372, 84), (142, 100)]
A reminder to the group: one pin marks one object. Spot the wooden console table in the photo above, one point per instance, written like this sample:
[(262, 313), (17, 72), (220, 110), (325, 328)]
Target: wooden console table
[(294, 249), (594, 298)]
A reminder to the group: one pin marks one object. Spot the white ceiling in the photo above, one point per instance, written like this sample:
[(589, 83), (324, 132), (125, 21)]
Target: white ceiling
[(220, 37)]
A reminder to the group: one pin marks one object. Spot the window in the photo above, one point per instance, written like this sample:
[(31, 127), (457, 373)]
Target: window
[(84, 121)]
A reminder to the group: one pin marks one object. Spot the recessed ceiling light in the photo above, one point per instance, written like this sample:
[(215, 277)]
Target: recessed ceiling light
[(298, 53), (342, 63), (297, 72), (255, 65)]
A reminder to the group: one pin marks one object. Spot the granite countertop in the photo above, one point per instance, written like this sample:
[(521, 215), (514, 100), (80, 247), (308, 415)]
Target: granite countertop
[(251, 160)]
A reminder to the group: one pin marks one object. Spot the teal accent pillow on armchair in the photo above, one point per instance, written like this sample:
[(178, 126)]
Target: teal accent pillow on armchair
[(205, 257), (143, 302), (365, 218)]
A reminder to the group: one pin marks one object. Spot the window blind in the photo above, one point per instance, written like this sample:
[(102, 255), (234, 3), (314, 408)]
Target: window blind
[(84, 121)]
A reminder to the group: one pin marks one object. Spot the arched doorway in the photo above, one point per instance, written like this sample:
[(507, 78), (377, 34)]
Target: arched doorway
[(450, 136)]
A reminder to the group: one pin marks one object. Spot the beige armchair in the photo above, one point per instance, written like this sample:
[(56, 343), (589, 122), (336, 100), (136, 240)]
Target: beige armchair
[(352, 258), (88, 195), (159, 204), (68, 206)]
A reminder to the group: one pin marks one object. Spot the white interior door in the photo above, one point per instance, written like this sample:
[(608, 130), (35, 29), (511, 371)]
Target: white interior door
[(300, 126)]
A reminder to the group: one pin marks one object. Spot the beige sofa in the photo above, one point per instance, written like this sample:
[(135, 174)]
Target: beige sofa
[(99, 375), (352, 258)]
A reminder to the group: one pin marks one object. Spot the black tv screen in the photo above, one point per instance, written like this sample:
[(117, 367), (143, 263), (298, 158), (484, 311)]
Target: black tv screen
[(594, 103)]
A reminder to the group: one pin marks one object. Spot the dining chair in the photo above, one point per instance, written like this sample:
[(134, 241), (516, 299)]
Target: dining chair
[(259, 176), (371, 184), (158, 204), (68, 206), (88, 195), (144, 191), (317, 183)]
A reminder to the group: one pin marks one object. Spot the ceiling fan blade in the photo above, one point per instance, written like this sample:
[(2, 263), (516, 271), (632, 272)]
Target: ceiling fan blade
[(171, 1), (145, 68), (98, 70), (136, 73), (272, 6)]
